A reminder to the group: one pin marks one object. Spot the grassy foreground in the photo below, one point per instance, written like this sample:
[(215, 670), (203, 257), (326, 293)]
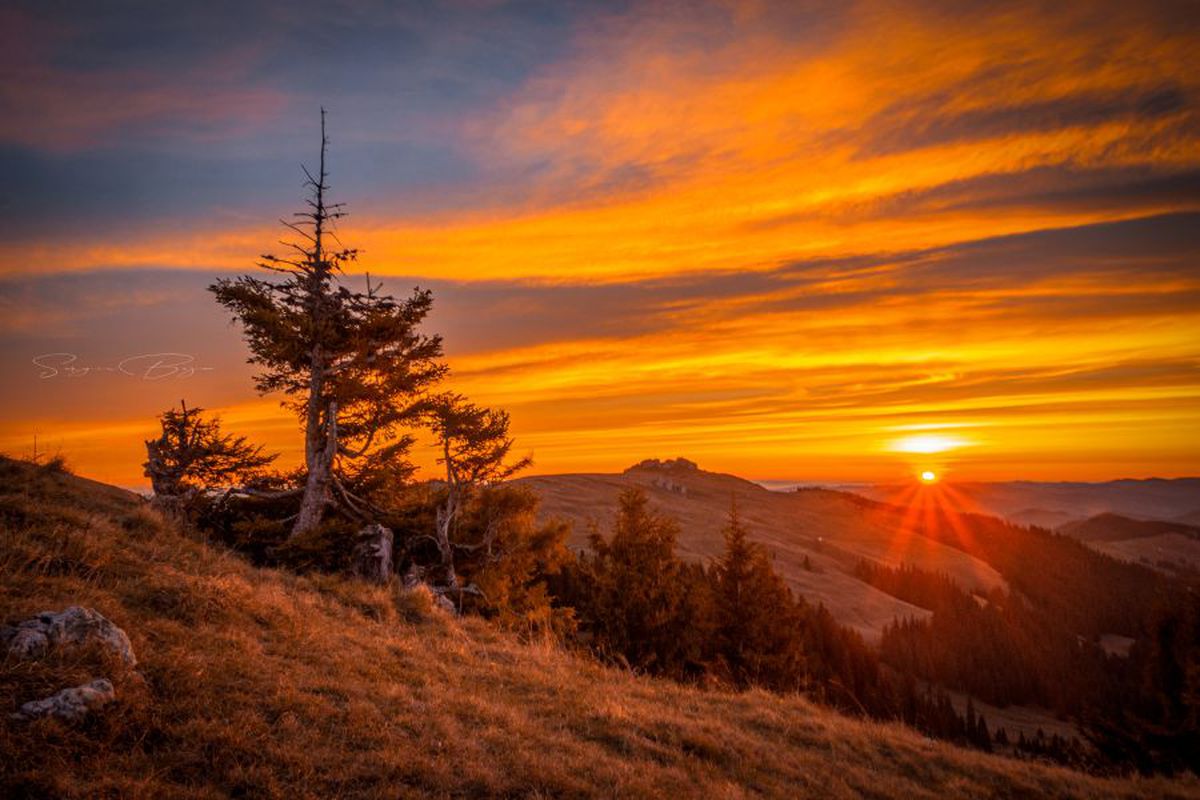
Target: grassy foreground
[(257, 683)]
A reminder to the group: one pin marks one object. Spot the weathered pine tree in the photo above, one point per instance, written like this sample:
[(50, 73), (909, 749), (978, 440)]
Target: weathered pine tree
[(474, 445), (352, 364)]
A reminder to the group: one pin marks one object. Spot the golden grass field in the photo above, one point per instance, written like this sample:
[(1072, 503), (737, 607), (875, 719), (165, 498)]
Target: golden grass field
[(257, 683)]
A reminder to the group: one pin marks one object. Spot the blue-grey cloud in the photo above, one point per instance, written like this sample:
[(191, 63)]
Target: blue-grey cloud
[(921, 122)]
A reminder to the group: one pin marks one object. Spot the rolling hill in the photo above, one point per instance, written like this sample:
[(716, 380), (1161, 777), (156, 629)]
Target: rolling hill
[(1190, 518), (1115, 528), (260, 683), (832, 530), (817, 537), (1169, 547)]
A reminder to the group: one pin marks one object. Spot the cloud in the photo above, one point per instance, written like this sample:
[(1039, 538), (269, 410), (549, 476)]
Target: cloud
[(56, 107), (751, 232), (692, 137)]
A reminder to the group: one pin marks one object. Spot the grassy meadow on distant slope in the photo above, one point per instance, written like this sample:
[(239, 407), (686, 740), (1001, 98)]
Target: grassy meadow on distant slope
[(1170, 547), (257, 683), (833, 530)]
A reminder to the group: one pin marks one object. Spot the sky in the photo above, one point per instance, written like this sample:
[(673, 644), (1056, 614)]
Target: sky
[(844, 241)]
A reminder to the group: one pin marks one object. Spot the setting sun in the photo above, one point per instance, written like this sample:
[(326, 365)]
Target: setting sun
[(929, 476)]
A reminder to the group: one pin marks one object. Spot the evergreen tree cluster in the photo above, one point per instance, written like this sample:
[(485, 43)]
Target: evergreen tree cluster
[(735, 621), (1141, 710), (999, 648), (1155, 723), (1061, 577), (364, 381)]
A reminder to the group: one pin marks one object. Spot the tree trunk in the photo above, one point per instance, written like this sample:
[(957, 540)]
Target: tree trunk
[(372, 558), (445, 519), (162, 481), (320, 476)]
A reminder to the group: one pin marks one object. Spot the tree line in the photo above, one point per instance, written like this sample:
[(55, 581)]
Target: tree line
[(1141, 709), (732, 622)]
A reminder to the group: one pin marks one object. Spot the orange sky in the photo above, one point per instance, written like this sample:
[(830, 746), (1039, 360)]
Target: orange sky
[(777, 245)]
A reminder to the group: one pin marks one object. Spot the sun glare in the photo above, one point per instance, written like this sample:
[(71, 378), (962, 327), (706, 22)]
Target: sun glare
[(927, 443), (929, 476)]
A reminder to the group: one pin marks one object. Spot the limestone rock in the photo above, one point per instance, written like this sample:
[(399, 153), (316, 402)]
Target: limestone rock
[(671, 486), (73, 627), (680, 465), (71, 704), (27, 642)]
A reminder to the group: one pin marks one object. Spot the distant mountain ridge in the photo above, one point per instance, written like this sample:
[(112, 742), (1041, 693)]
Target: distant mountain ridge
[(1170, 547), (1110, 527), (1051, 504)]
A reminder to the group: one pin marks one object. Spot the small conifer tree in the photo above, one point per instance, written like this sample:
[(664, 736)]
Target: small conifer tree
[(192, 454)]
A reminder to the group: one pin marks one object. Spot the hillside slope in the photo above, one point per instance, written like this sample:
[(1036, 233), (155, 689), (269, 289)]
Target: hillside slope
[(1115, 528), (257, 683), (1166, 546), (833, 530)]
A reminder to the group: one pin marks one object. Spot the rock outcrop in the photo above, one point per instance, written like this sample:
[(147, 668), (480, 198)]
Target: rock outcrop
[(75, 626), (671, 486), (70, 705), (668, 465)]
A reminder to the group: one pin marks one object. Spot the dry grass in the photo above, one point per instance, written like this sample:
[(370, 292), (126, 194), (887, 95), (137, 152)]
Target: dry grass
[(256, 683)]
